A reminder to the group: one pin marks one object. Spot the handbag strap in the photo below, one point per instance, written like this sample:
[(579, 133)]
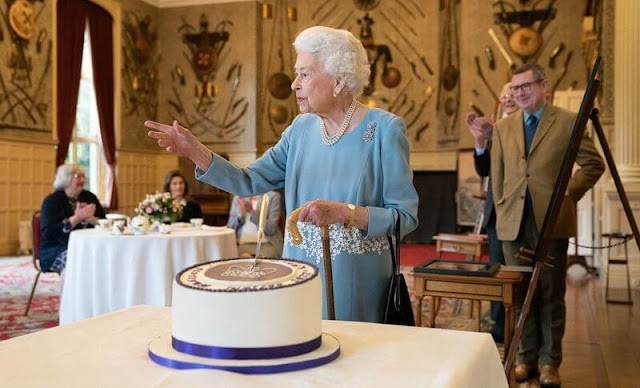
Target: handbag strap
[(395, 248)]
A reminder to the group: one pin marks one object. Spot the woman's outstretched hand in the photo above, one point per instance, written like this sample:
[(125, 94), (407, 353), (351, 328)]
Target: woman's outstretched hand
[(174, 138), (179, 140)]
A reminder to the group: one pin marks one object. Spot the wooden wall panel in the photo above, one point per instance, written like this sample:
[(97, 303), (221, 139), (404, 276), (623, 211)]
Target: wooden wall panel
[(140, 173), (26, 177)]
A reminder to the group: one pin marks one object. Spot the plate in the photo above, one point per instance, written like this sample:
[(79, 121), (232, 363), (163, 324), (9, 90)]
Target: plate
[(115, 216)]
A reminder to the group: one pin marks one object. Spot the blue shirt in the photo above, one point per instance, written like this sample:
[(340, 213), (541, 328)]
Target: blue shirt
[(537, 113)]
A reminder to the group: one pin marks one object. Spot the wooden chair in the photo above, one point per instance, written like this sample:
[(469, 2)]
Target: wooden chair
[(36, 234)]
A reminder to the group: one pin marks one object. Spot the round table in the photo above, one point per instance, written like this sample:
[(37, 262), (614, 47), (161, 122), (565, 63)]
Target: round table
[(107, 272)]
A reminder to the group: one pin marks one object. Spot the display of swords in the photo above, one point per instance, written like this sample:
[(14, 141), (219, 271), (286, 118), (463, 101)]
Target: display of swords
[(509, 19), (206, 91), (25, 74), (278, 106), (394, 25)]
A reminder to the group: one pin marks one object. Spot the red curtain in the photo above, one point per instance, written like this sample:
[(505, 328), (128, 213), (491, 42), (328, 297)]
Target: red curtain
[(100, 30), (71, 15), (72, 19)]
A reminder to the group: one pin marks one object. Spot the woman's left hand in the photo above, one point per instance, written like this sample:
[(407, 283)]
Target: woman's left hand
[(321, 213)]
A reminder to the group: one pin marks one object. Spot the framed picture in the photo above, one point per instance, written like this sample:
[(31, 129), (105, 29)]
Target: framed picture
[(458, 268), (469, 204)]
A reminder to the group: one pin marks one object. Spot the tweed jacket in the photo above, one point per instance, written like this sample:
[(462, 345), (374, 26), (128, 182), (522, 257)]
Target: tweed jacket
[(512, 172)]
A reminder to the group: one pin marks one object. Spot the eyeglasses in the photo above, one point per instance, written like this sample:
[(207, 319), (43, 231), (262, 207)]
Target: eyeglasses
[(506, 96), (77, 175), (525, 87)]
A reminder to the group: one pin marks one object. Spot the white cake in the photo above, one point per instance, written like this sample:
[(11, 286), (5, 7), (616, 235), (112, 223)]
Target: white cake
[(239, 316), (232, 305)]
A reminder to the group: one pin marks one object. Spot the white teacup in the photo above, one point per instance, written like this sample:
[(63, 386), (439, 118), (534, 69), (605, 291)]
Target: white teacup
[(165, 228), (118, 226), (115, 216), (104, 223), (138, 229), (196, 223)]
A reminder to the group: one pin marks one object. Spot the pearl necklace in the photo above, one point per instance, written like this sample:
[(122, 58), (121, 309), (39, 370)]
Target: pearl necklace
[(333, 139)]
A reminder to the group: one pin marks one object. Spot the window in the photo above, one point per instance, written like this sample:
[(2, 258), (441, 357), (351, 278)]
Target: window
[(85, 148)]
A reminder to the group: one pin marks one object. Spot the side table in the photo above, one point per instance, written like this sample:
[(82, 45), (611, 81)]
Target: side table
[(497, 288)]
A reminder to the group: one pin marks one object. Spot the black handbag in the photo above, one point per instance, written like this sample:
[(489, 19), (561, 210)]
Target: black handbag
[(398, 310)]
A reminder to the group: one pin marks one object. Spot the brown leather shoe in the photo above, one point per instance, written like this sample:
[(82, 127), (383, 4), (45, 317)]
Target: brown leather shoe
[(549, 376), (524, 372)]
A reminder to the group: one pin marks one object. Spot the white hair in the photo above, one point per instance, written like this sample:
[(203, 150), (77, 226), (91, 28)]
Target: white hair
[(340, 54), (64, 174)]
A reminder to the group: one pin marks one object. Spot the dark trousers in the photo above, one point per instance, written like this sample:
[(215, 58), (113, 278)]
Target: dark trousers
[(496, 257), (541, 341)]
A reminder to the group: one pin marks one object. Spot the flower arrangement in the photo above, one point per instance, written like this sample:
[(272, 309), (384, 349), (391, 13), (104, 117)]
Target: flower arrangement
[(160, 207)]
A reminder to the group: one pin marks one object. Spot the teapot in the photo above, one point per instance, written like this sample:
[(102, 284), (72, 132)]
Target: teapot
[(139, 224)]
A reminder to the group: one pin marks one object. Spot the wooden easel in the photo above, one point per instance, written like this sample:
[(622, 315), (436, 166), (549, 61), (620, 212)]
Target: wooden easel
[(539, 256)]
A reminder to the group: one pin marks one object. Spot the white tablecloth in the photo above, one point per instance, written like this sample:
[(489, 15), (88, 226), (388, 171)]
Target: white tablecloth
[(106, 272), (111, 351)]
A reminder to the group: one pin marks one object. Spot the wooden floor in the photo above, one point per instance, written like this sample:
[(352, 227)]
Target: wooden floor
[(601, 345)]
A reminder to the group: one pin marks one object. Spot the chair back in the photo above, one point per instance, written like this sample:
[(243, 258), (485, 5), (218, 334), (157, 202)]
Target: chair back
[(36, 237)]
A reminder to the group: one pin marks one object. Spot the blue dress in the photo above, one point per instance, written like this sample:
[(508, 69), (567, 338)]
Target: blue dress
[(369, 167)]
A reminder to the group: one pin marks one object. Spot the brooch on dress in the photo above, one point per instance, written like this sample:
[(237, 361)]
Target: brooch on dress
[(368, 133)]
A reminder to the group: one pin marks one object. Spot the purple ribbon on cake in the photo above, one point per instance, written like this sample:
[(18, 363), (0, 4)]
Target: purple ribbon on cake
[(247, 369), (225, 353)]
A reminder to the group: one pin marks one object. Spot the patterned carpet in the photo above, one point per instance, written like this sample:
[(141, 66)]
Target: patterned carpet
[(16, 280), (17, 276)]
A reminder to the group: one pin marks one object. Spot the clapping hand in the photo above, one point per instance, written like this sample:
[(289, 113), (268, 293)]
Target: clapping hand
[(479, 127), (245, 205), (85, 212)]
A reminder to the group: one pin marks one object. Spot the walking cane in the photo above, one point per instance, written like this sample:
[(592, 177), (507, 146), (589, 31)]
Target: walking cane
[(296, 239)]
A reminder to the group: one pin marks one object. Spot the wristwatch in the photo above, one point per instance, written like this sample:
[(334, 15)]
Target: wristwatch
[(352, 216)]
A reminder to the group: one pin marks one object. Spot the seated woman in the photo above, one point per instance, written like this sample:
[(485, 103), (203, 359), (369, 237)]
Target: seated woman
[(244, 217), (175, 184), (68, 208)]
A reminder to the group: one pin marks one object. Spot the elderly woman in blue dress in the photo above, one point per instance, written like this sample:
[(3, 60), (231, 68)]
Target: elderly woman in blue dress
[(344, 164)]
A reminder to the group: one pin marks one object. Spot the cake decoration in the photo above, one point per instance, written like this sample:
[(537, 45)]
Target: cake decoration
[(244, 275), (246, 316)]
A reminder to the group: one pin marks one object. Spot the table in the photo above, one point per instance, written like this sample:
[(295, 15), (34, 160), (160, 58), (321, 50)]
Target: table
[(111, 351), (107, 272), (497, 288), (475, 245)]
